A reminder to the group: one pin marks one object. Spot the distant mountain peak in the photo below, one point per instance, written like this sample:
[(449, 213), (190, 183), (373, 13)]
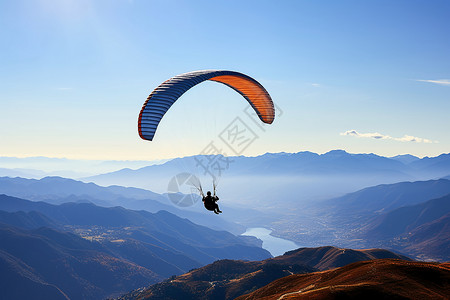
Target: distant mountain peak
[(55, 178), (405, 158), (337, 152), (272, 154), (328, 257)]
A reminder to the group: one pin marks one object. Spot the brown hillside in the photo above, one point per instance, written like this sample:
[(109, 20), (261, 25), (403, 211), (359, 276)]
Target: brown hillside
[(223, 279), (228, 279), (377, 279), (328, 257)]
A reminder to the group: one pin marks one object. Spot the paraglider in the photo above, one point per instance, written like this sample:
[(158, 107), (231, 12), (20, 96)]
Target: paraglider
[(167, 93), (210, 203), (162, 98)]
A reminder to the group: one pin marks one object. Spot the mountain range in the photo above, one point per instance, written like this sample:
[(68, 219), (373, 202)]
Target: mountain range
[(381, 216), (421, 230), (49, 264), (162, 228), (344, 221), (256, 184), (305, 168), (394, 216), (347, 200), (104, 251), (58, 190), (405, 219), (50, 188), (386, 197), (296, 177), (40, 166)]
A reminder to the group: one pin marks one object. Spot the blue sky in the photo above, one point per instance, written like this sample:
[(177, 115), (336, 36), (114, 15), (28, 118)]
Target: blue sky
[(363, 76)]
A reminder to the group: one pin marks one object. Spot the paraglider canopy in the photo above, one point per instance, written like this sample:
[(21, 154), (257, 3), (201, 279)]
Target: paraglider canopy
[(162, 98)]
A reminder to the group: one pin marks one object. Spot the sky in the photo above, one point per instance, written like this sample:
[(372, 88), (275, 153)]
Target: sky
[(362, 76)]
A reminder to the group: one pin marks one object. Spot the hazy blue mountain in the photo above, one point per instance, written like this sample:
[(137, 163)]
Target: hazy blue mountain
[(20, 281), (385, 216), (57, 190), (266, 178), (287, 185), (278, 190), (386, 197), (421, 230), (261, 181), (344, 220), (48, 264), (405, 158), (14, 204), (155, 177), (405, 219), (24, 173), (161, 229), (27, 220), (58, 187), (333, 162), (72, 168), (430, 241), (433, 166), (38, 174), (164, 262), (120, 248)]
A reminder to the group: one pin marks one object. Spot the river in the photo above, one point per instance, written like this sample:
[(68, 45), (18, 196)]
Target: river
[(276, 246)]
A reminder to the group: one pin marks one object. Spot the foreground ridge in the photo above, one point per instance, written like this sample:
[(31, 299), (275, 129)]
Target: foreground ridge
[(377, 279), (228, 279)]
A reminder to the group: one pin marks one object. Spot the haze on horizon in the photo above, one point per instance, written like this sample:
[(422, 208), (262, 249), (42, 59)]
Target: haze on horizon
[(363, 77)]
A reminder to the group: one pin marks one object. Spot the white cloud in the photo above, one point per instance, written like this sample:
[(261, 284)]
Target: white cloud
[(379, 136), (315, 84), (439, 81)]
